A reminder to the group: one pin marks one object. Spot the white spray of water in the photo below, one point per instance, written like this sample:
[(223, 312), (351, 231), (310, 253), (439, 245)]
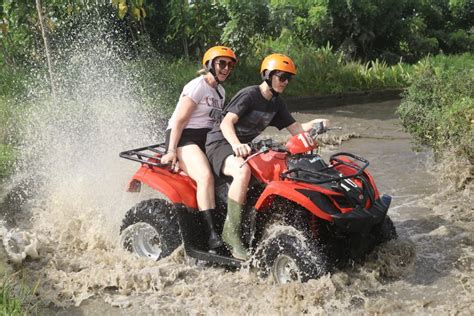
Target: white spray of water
[(72, 141), (70, 145)]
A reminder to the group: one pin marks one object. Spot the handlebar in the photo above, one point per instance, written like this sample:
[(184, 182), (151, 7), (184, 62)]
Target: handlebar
[(320, 177), (264, 145)]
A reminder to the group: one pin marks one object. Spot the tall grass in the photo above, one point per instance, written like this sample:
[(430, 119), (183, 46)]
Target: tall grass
[(16, 299), (9, 305), (322, 71)]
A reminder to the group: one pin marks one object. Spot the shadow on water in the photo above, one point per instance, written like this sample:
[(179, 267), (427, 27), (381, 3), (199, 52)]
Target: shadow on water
[(436, 248)]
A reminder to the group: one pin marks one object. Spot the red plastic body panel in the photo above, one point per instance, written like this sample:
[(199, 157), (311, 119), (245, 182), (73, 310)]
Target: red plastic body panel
[(287, 190), (301, 143), (268, 166), (178, 187)]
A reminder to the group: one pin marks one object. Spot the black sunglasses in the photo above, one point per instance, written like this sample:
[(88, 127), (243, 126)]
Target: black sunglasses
[(284, 76), (222, 64)]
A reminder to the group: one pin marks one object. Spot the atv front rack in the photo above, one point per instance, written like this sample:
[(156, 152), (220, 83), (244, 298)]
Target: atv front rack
[(329, 173), (149, 155)]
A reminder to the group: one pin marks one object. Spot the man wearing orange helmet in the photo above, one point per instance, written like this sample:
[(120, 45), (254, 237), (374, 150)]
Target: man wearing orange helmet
[(192, 119), (249, 112)]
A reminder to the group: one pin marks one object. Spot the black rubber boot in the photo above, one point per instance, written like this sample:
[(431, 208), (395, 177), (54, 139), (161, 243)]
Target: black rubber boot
[(215, 241)]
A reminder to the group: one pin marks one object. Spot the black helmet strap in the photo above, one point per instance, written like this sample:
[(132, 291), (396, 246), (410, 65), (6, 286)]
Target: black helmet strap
[(268, 80)]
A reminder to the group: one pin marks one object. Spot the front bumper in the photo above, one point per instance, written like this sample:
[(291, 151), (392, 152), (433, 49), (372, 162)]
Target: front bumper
[(362, 220)]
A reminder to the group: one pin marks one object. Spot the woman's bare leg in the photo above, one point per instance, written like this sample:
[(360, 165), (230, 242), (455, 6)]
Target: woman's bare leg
[(194, 162)]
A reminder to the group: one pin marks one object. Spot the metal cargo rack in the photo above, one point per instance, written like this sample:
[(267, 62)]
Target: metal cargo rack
[(146, 155)]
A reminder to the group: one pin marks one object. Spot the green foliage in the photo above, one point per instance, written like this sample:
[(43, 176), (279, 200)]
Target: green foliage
[(247, 23), (7, 158), (387, 30), (17, 37), (438, 107), (193, 25), (372, 30), (11, 92), (8, 304), (11, 81), (16, 300), (135, 8), (323, 71)]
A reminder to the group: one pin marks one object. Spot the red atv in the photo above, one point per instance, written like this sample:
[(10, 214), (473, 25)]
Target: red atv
[(302, 218)]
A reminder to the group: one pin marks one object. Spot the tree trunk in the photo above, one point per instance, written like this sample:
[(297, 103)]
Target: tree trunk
[(44, 34)]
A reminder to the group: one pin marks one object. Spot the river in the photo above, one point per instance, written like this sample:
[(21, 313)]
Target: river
[(81, 270)]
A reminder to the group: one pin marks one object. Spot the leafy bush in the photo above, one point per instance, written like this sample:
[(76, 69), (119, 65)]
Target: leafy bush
[(438, 106)]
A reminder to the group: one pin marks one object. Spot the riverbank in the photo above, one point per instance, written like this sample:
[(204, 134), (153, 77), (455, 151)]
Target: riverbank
[(311, 103)]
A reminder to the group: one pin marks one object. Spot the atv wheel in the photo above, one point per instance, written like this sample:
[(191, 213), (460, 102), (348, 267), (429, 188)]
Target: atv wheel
[(384, 231), (150, 229), (290, 257)]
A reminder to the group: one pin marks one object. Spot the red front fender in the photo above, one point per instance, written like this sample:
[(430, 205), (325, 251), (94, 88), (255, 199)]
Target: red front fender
[(177, 188), (288, 191)]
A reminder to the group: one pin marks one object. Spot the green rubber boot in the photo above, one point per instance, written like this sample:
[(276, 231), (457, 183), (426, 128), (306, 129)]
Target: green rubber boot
[(231, 231)]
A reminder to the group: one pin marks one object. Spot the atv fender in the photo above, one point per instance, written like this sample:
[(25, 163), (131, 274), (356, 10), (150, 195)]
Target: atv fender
[(169, 184), (289, 191)]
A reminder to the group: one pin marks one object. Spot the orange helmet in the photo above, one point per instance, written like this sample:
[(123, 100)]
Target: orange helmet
[(277, 62), (217, 51)]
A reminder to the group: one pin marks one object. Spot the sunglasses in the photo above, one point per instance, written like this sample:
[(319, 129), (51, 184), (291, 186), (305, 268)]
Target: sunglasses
[(222, 64), (284, 76)]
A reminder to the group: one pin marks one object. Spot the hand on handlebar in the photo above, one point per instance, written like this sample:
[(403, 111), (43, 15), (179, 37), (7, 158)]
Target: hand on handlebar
[(315, 124), (325, 123), (321, 126), (241, 150)]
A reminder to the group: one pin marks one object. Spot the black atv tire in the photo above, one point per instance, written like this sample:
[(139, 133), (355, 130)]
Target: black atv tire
[(150, 229), (290, 257), (385, 231)]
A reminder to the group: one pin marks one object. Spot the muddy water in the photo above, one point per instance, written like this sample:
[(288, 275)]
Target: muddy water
[(428, 270)]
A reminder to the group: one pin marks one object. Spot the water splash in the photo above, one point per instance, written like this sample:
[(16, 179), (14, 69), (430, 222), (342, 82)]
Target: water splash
[(69, 145)]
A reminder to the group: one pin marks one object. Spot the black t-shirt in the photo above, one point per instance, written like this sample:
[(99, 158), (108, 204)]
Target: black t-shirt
[(255, 114)]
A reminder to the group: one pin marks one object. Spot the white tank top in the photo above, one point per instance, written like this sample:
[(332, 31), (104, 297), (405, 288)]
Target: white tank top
[(205, 97)]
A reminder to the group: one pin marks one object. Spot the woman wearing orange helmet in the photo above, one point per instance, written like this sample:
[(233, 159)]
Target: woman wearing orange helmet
[(249, 112), (192, 119)]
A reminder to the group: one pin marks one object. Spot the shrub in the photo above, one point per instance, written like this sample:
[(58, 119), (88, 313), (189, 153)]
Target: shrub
[(438, 106)]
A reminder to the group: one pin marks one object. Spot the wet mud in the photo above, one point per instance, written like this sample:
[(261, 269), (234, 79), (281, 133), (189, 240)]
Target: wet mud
[(82, 270)]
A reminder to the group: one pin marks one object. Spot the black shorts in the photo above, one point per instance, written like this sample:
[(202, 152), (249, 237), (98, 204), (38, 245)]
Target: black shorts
[(190, 136), (217, 152)]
